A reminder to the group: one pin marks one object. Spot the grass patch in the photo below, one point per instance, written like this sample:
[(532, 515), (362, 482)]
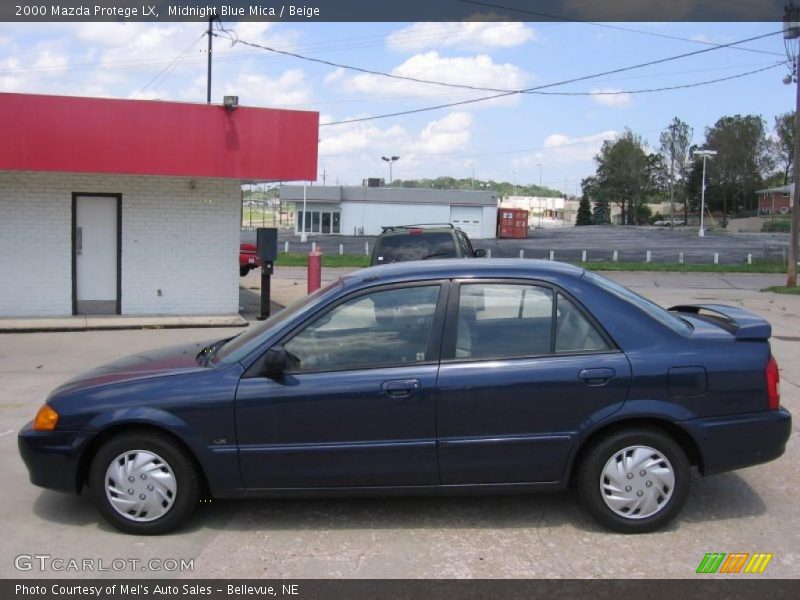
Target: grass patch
[(298, 259), (782, 289), (756, 267)]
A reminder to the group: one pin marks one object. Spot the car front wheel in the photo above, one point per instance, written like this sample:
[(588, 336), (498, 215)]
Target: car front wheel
[(144, 483), (635, 480)]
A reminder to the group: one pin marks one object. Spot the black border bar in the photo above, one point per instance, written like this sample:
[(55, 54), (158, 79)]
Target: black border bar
[(394, 10)]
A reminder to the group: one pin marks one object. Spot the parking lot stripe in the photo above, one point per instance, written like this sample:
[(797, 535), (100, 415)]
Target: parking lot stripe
[(6, 432)]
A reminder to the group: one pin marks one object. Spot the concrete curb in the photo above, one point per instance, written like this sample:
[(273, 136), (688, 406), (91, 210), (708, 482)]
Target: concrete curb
[(89, 323)]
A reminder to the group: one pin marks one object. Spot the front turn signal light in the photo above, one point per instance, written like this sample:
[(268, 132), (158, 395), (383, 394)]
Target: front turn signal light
[(46, 419)]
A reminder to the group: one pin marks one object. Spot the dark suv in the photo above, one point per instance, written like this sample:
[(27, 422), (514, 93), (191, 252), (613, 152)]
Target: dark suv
[(420, 242)]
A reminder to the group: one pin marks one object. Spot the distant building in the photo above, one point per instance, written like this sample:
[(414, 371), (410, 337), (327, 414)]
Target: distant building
[(775, 200), (543, 211), (363, 210)]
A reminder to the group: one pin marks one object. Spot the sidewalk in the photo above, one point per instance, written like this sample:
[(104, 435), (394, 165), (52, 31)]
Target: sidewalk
[(89, 322)]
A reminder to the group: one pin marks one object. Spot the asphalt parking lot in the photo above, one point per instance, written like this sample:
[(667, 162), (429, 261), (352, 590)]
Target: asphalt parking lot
[(752, 510), (599, 242)]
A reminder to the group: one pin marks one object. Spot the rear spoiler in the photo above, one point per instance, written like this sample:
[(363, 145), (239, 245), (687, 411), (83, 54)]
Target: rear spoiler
[(743, 324)]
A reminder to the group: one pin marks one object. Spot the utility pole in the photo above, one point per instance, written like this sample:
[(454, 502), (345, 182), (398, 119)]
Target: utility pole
[(208, 77), (672, 175), (791, 32)]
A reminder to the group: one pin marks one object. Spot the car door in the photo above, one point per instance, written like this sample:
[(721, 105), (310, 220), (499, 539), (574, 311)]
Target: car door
[(356, 404), (524, 367)]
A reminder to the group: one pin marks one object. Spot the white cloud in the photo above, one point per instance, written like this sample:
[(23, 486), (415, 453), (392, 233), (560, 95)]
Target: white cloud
[(354, 139), (480, 71), (444, 136), (559, 148), (420, 36), (287, 90), (613, 97), (356, 148)]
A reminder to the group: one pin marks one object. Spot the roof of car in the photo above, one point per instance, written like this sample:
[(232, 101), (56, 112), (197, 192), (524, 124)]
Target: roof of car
[(475, 267)]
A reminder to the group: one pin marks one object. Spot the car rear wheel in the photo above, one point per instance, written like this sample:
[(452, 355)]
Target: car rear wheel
[(144, 483), (635, 480)]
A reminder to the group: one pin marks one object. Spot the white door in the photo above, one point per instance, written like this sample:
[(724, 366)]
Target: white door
[(96, 260), (469, 219)]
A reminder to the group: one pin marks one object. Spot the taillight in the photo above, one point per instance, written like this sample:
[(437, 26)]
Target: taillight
[(415, 231), (773, 384)]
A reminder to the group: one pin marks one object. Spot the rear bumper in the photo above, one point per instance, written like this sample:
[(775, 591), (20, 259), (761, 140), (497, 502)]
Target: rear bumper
[(53, 457), (738, 441)]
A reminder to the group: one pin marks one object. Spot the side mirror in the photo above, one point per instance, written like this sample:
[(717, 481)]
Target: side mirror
[(480, 253), (274, 361)]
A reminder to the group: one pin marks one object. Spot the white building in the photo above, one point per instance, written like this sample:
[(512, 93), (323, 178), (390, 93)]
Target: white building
[(543, 211), (133, 207), (362, 210)]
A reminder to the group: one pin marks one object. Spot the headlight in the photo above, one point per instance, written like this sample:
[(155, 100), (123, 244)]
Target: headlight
[(46, 419)]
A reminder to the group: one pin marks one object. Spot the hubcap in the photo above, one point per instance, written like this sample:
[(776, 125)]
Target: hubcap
[(637, 482), (140, 485)]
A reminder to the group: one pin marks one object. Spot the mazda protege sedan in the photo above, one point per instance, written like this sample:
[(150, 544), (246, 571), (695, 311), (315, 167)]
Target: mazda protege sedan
[(426, 377)]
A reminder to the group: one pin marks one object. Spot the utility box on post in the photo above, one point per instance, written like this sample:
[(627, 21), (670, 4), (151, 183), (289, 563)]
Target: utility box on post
[(267, 250)]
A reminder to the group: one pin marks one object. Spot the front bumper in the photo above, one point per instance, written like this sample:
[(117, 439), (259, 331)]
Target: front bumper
[(53, 457), (738, 441)]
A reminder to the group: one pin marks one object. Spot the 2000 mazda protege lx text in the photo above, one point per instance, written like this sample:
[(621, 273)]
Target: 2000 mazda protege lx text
[(442, 376)]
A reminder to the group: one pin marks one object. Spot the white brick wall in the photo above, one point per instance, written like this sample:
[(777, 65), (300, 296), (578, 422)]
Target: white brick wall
[(176, 238)]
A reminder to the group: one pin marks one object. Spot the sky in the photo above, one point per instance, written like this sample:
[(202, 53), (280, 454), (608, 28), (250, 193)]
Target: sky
[(520, 138)]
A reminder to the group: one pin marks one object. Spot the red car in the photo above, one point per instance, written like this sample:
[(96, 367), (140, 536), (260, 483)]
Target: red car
[(248, 259)]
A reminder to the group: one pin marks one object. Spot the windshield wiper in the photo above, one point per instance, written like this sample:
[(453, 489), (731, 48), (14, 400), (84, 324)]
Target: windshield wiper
[(434, 255)]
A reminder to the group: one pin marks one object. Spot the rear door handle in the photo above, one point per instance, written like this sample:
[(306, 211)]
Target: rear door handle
[(596, 376), (400, 388)]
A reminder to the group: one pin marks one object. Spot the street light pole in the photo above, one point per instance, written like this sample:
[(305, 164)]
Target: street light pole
[(390, 160), (705, 154), (473, 175), (791, 31)]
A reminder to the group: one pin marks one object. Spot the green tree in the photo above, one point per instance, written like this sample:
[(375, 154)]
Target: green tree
[(743, 158), (584, 212), (784, 146), (624, 174)]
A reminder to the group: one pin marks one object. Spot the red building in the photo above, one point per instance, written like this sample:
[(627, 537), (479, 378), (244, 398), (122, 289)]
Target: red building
[(133, 207), (775, 201)]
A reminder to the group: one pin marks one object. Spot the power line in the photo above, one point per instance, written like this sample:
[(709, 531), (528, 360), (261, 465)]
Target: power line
[(235, 39), (548, 85), (609, 26), (664, 89), (163, 74)]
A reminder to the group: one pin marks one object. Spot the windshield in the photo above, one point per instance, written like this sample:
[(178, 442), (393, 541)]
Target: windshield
[(651, 308), (395, 248), (240, 346)]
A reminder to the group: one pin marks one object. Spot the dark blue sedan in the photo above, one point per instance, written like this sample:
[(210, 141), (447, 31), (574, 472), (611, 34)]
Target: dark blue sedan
[(435, 377)]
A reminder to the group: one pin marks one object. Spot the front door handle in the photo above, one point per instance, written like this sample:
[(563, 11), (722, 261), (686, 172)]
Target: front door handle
[(400, 388), (596, 376), (79, 240)]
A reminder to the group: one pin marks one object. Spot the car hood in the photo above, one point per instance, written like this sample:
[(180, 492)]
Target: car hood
[(172, 360)]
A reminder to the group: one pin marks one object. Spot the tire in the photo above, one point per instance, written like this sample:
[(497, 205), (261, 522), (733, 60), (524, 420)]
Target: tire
[(131, 458), (243, 271), (615, 491)]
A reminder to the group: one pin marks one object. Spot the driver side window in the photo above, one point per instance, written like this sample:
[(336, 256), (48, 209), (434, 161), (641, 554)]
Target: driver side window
[(382, 328)]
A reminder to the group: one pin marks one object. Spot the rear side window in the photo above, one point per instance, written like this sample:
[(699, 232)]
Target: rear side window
[(511, 320), (396, 248)]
